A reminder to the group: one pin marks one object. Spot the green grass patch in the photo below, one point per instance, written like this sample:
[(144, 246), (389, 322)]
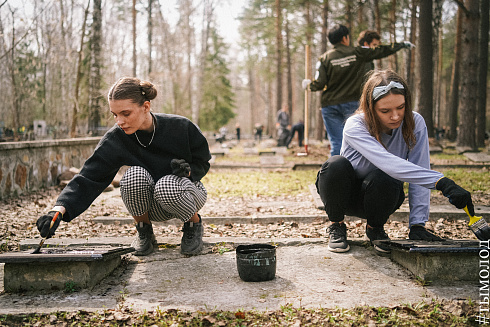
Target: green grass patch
[(472, 180), (232, 183), (448, 155), (251, 183)]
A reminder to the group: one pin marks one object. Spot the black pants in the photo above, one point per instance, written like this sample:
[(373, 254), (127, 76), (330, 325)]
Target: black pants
[(374, 198)]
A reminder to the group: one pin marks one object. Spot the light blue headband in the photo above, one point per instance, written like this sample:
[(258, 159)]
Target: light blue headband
[(382, 90)]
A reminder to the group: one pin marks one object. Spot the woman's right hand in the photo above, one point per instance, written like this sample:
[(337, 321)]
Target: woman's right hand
[(44, 222)]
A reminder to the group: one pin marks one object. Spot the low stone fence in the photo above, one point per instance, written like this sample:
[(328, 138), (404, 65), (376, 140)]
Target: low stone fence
[(29, 166)]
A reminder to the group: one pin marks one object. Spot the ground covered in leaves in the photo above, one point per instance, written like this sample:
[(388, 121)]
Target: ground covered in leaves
[(431, 313), (247, 193)]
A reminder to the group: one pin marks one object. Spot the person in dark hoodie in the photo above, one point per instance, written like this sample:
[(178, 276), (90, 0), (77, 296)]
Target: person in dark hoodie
[(167, 155)]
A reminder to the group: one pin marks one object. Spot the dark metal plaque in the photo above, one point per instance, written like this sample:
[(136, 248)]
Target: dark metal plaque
[(64, 254), (446, 246)]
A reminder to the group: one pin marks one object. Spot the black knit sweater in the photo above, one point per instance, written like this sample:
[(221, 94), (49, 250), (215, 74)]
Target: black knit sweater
[(175, 137)]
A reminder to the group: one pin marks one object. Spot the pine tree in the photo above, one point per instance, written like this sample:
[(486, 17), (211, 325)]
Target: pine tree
[(218, 98)]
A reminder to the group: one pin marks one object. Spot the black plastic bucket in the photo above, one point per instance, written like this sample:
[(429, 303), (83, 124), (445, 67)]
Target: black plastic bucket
[(256, 262)]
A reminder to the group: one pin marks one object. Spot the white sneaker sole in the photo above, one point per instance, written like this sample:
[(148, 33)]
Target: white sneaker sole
[(338, 250)]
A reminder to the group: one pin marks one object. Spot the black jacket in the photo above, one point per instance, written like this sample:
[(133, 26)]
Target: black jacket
[(175, 137), (341, 71)]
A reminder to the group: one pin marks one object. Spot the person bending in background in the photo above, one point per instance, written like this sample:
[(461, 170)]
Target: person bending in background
[(299, 128)]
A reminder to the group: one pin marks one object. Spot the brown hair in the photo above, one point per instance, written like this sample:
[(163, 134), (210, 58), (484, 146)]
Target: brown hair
[(366, 105), (368, 36), (132, 88)]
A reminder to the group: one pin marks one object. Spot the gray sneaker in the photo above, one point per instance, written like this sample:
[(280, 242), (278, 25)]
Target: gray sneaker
[(143, 244), (191, 242), (338, 237)]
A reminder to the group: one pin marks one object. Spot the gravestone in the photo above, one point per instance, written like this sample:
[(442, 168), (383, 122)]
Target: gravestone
[(271, 160), (58, 268), (477, 156), (441, 261)]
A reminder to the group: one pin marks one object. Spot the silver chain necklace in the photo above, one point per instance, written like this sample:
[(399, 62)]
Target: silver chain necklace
[(136, 134)]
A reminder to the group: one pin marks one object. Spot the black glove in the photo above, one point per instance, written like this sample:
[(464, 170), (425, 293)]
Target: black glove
[(44, 221), (180, 168), (458, 196), (418, 232)]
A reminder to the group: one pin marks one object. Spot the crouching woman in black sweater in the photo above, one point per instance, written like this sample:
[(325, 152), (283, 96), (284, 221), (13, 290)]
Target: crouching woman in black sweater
[(168, 156)]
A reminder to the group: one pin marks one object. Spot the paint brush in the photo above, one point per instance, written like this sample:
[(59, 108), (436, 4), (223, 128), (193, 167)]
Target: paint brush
[(38, 250), (479, 226)]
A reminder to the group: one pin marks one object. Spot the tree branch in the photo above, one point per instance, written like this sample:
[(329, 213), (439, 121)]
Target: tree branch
[(462, 6)]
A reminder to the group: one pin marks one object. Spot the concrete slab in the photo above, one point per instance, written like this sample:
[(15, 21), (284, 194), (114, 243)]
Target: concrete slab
[(307, 275), (280, 150), (21, 277), (272, 160), (448, 260), (55, 268), (477, 156), (250, 151), (435, 149)]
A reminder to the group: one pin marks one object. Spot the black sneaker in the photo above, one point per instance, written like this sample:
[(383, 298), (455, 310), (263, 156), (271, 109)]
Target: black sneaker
[(378, 234), (419, 232), (337, 233), (191, 242), (143, 244)]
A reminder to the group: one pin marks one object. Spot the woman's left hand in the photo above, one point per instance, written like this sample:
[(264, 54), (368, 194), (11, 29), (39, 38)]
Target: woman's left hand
[(458, 196), (180, 168)]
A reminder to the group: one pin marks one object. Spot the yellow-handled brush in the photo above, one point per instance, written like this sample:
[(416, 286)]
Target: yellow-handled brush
[(479, 226)]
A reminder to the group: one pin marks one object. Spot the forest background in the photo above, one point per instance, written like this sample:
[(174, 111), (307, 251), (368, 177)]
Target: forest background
[(58, 59)]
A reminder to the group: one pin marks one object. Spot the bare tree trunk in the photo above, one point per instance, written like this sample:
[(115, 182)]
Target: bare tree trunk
[(437, 40), (482, 74), (289, 65), (251, 85), (426, 65), (74, 122), (393, 62), (371, 17), (413, 39), (469, 71), (279, 57), (320, 134), (377, 16), (207, 16), (189, 49), (455, 78), (270, 113), (15, 91), (134, 37), (348, 16), (150, 37), (96, 61), (438, 79)]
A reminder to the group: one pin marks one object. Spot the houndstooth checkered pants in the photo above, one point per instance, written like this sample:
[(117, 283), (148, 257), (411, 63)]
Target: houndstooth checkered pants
[(171, 196)]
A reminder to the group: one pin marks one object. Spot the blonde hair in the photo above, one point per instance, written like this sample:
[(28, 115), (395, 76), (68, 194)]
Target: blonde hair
[(366, 105)]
